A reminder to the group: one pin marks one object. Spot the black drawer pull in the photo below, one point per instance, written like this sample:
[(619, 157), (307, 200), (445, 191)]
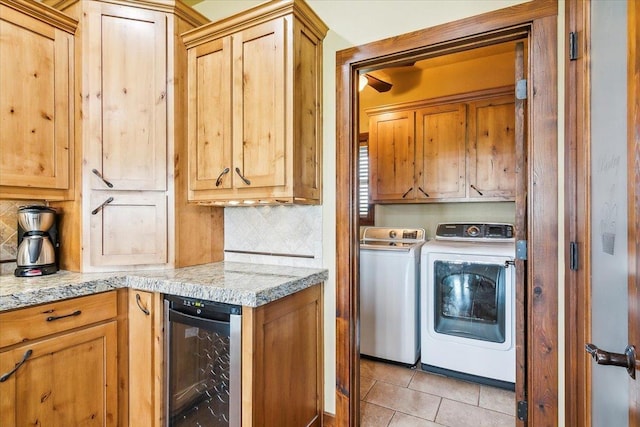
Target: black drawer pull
[(27, 354), (75, 313), (140, 306)]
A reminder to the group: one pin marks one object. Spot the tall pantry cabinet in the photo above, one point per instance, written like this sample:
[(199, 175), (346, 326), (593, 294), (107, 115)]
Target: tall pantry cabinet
[(130, 210)]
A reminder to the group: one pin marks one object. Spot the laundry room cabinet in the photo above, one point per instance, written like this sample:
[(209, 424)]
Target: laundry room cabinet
[(392, 156), (254, 112), (454, 149), (36, 101)]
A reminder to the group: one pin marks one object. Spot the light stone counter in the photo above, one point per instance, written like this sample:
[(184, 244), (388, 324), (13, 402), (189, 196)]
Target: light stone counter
[(250, 285)]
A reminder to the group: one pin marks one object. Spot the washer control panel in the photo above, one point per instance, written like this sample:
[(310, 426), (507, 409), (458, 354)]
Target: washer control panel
[(479, 231)]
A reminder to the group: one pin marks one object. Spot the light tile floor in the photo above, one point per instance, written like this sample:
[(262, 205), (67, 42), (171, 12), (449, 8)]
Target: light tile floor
[(395, 396)]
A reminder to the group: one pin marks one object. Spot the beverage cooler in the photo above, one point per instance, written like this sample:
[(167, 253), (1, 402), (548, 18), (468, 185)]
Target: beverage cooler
[(203, 341)]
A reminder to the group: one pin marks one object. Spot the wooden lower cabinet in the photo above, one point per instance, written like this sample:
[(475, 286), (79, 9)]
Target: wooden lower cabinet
[(111, 373), (146, 374), (65, 380), (282, 361)]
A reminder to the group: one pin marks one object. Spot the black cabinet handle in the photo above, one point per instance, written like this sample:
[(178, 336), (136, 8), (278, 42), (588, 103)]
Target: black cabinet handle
[(75, 313), (27, 354), (223, 173), (99, 175), (423, 192), (245, 180), (99, 208), (408, 191), (140, 306), (474, 187)]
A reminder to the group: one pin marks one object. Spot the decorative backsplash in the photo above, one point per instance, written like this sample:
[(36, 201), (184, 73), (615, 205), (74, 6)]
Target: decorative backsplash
[(9, 232), (281, 235)]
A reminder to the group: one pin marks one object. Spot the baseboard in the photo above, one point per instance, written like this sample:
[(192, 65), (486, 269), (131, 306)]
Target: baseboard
[(328, 420)]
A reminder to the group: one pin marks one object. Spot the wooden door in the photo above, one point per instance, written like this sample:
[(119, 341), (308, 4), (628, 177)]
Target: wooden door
[(492, 154), (392, 156), (440, 151), (127, 80), (145, 358), (69, 380), (209, 117), (128, 228), (36, 120), (259, 87)]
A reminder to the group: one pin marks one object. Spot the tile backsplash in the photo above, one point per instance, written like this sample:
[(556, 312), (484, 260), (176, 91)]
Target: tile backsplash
[(282, 235), (9, 232)]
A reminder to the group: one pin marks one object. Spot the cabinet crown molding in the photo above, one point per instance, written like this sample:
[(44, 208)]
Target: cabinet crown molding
[(254, 16), (177, 7), (43, 12)]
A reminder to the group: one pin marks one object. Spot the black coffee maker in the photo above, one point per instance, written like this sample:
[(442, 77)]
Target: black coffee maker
[(38, 241)]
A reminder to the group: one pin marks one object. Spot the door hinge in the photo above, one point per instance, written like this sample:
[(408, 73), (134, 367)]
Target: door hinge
[(573, 46), (573, 256), (521, 250), (522, 410), (521, 89)]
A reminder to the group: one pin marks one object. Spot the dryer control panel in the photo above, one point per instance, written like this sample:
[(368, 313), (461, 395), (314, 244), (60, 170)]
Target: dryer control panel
[(475, 231)]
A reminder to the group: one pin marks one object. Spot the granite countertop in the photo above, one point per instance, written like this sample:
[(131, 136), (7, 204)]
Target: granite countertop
[(245, 284)]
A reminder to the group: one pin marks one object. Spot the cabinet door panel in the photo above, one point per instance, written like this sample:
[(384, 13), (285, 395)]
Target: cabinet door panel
[(130, 230), (391, 154), (307, 138), (492, 148), (440, 141), (209, 68), (129, 111), (35, 137), (259, 77), (145, 358), (69, 380)]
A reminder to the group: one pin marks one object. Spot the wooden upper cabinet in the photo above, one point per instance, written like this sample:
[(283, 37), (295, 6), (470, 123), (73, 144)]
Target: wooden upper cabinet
[(127, 89), (457, 148), (492, 157), (440, 142), (36, 101), (392, 156), (254, 114)]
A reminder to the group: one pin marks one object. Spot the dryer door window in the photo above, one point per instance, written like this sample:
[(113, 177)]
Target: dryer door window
[(470, 300)]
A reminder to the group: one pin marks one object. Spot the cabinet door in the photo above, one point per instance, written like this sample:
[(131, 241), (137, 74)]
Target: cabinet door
[(259, 89), (210, 162), (35, 104), (492, 148), (392, 156), (282, 366), (69, 380), (129, 229), (145, 358), (127, 78), (440, 145)]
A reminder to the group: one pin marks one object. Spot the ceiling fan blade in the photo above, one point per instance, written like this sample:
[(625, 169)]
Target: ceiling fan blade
[(377, 84)]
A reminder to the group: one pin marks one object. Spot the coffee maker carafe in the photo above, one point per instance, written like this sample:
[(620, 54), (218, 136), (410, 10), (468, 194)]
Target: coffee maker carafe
[(37, 241)]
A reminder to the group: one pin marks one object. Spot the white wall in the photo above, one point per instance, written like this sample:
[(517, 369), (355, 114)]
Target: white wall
[(352, 23)]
